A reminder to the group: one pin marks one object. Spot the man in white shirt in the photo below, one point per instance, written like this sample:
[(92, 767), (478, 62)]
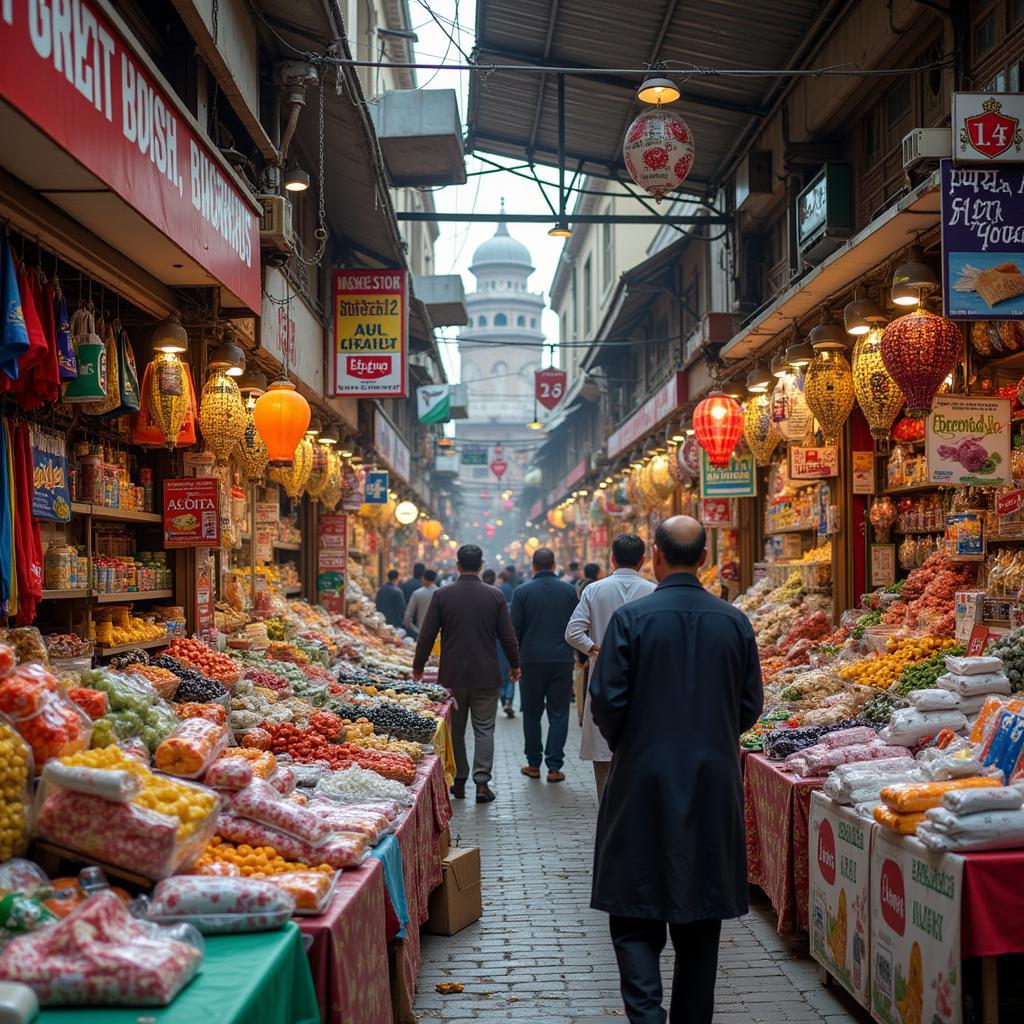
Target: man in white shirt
[(419, 602), (586, 628)]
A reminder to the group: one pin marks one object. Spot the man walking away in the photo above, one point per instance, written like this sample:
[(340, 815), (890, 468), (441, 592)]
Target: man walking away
[(676, 682), (598, 603), (470, 617), (391, 601), (488, 577), (411, 585), (507, 582), (591, 574), (416, 609), (540, 613), (508, 690)]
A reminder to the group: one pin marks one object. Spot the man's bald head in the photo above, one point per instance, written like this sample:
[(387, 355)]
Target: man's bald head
[(681, 541)]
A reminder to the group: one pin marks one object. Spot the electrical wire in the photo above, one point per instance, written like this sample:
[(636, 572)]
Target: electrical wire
[(437, 21)]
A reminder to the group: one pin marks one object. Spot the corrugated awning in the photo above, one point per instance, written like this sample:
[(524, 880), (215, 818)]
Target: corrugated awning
[(515, 114)]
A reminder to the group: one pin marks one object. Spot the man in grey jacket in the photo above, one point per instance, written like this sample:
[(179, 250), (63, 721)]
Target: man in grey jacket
[(416, 609), (598, 603)]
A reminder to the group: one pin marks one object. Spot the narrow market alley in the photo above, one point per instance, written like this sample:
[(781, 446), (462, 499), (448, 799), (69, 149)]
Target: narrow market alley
[(540, 953)]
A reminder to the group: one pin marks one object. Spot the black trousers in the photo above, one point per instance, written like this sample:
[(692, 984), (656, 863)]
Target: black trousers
[(638, 944)]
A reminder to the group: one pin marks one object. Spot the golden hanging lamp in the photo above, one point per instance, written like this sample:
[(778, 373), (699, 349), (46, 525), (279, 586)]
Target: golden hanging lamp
[(293, 477), (222, 416), (828, 387), (168, 395), (759, 429), (318, 471), (878, 395), (251, 451)]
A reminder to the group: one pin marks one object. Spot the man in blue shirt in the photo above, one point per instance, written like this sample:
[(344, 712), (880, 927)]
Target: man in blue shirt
[(390, 601)]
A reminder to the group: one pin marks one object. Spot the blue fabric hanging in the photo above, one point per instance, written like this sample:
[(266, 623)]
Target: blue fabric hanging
[(13, 332)]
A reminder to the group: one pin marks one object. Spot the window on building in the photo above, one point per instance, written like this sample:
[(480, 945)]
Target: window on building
[(1017, 11), (607, 253), (499, 369), (469, 322), (483, 321), (533, 323), (588, 291), (985, 35), (500, 320), (520, 321)]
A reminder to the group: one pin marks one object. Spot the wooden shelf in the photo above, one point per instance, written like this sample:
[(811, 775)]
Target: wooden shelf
[(293, 590), (913, 489), (791, 529), (930, 529), (107, 652), (66, 595), (123, 515), (134, 595), (81, 508), (281, 545)]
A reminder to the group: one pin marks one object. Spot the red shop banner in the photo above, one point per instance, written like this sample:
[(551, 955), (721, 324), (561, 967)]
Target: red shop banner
[(70, 72), (549, 386), (192, 512)]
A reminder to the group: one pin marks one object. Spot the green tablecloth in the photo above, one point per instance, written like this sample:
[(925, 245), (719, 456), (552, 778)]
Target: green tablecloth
[(259, 978)]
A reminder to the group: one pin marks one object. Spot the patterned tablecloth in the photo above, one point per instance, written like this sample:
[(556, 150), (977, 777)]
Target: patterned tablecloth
[(775, 807)]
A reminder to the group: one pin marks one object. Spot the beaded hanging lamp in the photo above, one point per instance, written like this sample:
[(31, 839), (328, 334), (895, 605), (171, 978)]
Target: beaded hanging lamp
[(920, 350), (790, 413), (717, 424), (251, 451), (221, 414), (759, 429), (828, 388), (878, 395), (168, 395), (293, 477)]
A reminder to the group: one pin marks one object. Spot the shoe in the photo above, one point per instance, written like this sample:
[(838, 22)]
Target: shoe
[(556, 776), (530, 772), (459, 790), (510, 712), (483, 793)]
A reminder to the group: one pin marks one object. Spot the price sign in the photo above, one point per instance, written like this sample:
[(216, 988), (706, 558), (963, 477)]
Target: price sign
[(549, 386)]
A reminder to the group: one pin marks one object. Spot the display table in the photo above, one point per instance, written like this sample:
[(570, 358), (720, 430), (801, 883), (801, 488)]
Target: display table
[(261, 978), (775, 810)]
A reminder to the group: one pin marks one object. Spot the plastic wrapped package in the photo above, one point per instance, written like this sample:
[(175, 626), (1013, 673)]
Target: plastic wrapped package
[(976, 801), (965, 666), (92, 702), (934, 700), (16, 770), (908, 726), (357, 785), (214, 712), (229, 773), (990, 830), (20, 875), (848, 778), (903, 823), (311, 890), (389, 808), (972, 686), (114, 784), (217, 906), (259, 801), (99, 955), (952, 766), (849, 737), (909, 797), (342, 850), (307, 775), (283, 780), (57, 728), (1004, 749), (372, 824), (188, 751), (262, 762), (872, 792), (988, 718), (823, 760), (26, 643), (135, 709)]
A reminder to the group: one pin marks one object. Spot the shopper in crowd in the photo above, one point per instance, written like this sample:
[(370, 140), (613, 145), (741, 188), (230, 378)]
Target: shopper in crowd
[(416, 609), (571, 573), (591, 574), (411, 585), (391, 600), (488, 576), (598, 603), (508, 690), (507, 582), (540, 613), (470, 617), (676, 682)]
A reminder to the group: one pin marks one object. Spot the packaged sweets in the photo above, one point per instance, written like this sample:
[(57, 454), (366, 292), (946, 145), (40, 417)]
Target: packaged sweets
[(15, 802), (190, 748), (919, 796), (221, 905), (261, 802)]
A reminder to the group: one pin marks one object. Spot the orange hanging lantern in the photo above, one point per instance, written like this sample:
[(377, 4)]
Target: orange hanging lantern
[(281, 416), (920, 350), (717, 424), (432, 530)]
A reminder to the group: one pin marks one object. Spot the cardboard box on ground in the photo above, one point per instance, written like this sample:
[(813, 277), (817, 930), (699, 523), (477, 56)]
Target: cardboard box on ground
[(458, 901)]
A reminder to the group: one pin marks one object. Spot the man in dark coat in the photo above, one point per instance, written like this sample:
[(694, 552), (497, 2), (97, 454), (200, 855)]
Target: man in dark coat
[(676, 683), (472, 619), (390, 601), (414, 582), (540, 613)]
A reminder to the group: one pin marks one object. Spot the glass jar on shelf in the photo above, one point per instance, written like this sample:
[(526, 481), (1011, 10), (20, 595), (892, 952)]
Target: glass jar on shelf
[(882, 516)]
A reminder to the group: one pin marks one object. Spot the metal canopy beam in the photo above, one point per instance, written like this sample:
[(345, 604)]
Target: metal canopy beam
[(712, 220)]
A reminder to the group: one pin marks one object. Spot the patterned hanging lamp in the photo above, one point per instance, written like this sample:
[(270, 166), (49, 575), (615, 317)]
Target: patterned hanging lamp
[(920, 350), (293, 477), (658, 151), (759, 429), (318, 471), (221, 414), (251, 451), (790, 412), (659, 479), (828, 387), (331, 493), (168, 395), (877, 394), (718, 423), (688, 458)]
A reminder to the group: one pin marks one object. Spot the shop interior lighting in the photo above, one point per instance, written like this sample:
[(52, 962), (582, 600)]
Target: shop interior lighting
[(329, 435), (296, 179), (252, 382), (171, 337), (826, 337), (228, 357), (860, 314), (758, 380), (657, 91), (799, 354), (560, 229), (912, 279), (779, 366), (314, 428)]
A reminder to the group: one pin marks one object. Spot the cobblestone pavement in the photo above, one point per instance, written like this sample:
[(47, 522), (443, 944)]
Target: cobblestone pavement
[(540, 953)]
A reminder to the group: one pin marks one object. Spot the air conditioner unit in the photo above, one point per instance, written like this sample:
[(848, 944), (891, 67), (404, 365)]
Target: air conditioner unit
[(924, 145), (276, 231)]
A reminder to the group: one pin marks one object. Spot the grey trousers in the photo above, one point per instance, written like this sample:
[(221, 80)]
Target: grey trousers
[(482, 705)]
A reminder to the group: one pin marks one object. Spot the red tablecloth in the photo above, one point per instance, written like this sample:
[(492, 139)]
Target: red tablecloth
[(349, 955), (775, 808), (992, 903)]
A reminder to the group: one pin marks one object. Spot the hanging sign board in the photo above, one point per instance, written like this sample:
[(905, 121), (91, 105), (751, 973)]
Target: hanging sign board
[(79, 80), (499, 467), (393, 451), (549, 386), (371, 328), (863, 472), (737, 480), (883, 565), (375, 488), (813, 463), (839, 893), (987, 128), (205, 594), (433, 403), (333, 556), (982, 239), (717, 512), (192, 512), (51, 497), (916, 973), (473, 454), (291, 332), (967, 441)]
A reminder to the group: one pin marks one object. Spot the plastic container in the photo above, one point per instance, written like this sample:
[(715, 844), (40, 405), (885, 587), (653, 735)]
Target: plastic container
[(191, 748), (221, 905)]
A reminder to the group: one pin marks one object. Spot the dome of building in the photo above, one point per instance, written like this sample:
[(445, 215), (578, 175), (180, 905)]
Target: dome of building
[(501, 250)]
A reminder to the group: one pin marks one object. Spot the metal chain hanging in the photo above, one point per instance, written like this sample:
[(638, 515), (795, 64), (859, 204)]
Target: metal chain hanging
[(320, 234)]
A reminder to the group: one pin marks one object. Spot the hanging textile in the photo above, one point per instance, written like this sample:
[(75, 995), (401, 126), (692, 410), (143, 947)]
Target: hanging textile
[(6, 522), (39, 379), (12, 503), (28, 541), (65, 350), (14, 337)]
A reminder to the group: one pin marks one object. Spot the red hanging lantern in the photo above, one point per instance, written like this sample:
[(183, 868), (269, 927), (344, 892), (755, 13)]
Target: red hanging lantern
[(658, 151), (920, 350), (717, 424)]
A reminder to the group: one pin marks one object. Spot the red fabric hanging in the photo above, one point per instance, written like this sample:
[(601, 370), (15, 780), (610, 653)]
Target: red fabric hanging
[(27, 539), (39, 380)]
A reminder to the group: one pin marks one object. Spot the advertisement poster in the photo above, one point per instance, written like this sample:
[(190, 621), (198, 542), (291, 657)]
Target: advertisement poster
[(986, 128), (717, 512), (883, 565), (333, 553), (967, 441), (737, 480), (863, 472), (265, 544), (915, 932), (965, 536), (267, 513), (192, 512), (51, 497), (813, 463), (982, 232), (371, 324), (839, 869), (375, 491), (205, 596)]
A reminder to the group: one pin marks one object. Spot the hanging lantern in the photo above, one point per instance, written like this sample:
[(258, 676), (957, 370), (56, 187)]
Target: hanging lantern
[(759, 429), (877, 394), (251, 451), (330, 494), (294, 476), (556, 519), (688, 458), (168, 395), (432, 530), (790, 412), (318, 471), (658, 151), (281, 416), (718, 423), (828, 388), (659, 479), (221, 415), (920, 350)]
